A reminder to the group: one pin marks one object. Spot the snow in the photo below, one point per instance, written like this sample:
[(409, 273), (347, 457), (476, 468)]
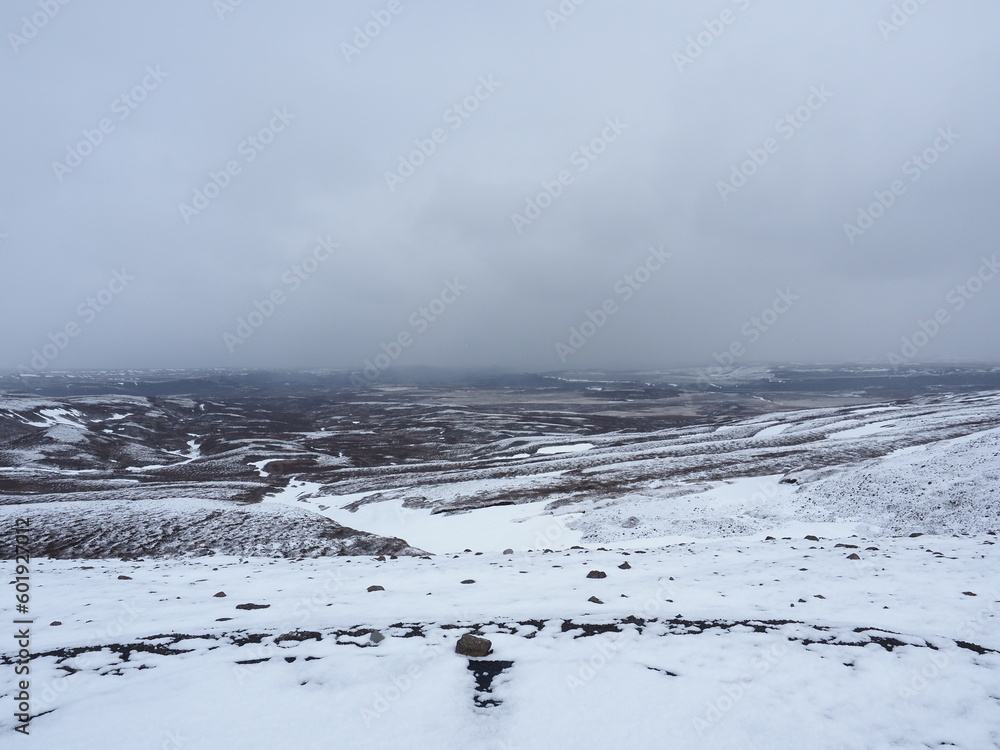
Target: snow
[(729, 627), (518, 527), (862, 431), (775, 429), (733, 686), (549, 450)]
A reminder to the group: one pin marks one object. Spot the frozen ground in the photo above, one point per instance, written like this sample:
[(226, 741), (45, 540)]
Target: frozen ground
[(822, 577), (785, 643)]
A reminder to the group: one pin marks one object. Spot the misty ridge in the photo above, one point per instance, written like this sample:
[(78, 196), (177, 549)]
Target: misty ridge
[(559, 375)]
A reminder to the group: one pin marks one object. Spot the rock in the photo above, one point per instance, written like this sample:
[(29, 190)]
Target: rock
[(595, 600), (597, 574), (812, 538), (376, 588), (380, 558), (471, 645), (968, 593), (55, 623), (223, 619), (769, 539), (854, 556), (508, 551), (846, 546), (625, 566), (219, 594), (376, 637), (915, 534), (252, 606), (124, 578), (468, 580)]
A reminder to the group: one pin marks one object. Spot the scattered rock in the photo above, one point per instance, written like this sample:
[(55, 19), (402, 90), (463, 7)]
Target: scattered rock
[(124, 578), (471, 645), (219, 594), (812, 538), (376, 588), (595, 600), (625, 566), (468, 580), (915, 534), (508, 551), (968, 593), (769, 539), (223, 619), (252, 606), (854, 556), (597, 574), (380, 558), (55, 622), (846, 546)]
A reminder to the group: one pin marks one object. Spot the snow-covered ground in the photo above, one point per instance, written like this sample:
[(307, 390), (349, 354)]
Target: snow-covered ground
[(821, 578), (785, 643)]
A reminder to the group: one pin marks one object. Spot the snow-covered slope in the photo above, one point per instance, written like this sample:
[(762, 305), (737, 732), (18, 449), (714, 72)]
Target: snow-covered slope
[(725, 643)]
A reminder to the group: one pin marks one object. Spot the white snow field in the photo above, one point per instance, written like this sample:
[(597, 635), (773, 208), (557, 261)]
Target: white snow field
[(822, 578), (714, 644)]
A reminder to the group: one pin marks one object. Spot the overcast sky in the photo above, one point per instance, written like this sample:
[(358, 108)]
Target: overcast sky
[(297, 184)]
